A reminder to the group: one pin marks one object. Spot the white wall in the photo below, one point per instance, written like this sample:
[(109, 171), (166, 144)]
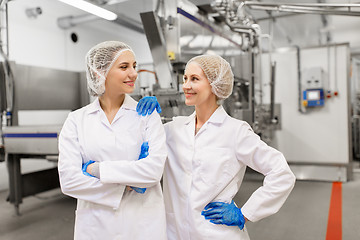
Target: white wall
[(322, 134), (346, 29), (40, 42)]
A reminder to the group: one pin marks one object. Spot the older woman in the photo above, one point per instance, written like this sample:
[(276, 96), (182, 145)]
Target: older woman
[(208, 153), (99, 149)]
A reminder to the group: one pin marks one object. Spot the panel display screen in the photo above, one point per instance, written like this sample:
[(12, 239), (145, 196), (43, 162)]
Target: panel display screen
[(313, 95)]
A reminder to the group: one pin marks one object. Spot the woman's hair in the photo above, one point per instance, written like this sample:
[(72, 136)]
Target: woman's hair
[(99, 61), (218, 72)]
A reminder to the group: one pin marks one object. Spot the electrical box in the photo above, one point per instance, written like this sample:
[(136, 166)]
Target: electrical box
[(313, 87), (313, 97)]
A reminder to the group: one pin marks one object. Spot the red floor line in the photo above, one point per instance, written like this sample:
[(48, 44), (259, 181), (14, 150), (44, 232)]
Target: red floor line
[(334, 227)]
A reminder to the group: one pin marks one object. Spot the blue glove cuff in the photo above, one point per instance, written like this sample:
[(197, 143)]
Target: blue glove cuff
[(241, 223), (84, 168)]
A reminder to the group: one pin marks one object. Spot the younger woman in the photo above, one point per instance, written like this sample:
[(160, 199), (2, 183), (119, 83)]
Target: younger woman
[(104, 139)]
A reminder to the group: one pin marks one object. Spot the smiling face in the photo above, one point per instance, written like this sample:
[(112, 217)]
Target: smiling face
[(197, 88), (122, 75)]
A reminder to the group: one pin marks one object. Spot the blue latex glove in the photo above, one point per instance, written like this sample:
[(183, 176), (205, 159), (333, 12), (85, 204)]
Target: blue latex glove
[(224, 213), (84, 168), (147, 105), (143, 154), (144, 150), (139, 190)]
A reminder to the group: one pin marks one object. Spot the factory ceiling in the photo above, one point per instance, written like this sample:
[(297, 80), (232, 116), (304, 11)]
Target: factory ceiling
[(288, 25)]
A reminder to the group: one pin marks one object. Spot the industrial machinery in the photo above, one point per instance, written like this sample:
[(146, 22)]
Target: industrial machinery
[(179, 30), (43, 98), (356, 107)]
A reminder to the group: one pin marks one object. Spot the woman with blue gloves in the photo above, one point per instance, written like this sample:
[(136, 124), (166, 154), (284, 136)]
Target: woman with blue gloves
[(208, 153), (110, 158)]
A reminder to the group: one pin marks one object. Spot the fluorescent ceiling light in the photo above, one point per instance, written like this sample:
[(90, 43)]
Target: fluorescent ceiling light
[(91, 8)]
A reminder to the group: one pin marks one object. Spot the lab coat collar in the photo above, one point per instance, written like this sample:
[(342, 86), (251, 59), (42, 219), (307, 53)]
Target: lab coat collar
[(94, 106), (129, 103), (190, 118), (217, 117)]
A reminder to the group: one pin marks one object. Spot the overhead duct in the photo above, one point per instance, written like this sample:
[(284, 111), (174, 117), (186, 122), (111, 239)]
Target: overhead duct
[(71, 21)]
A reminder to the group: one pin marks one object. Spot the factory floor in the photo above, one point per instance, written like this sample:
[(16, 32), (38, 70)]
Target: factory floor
[(304, 216)]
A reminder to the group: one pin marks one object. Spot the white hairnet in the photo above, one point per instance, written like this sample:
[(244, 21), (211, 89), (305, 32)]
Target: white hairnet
[(218, 72), (99, 61)]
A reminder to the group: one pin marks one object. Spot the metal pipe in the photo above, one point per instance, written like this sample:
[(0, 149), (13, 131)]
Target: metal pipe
[(240, 11), (4, 33), (3, 2), (309, 11), (71, 21), (205, 23), (250, 30), (272, 92), (7, 29), (112, 2), (277, 16), (335, 64), (269, 52), (305, 4), (299, 79), (241, 30), (259, 65), (317, 8), (328, 69), (252, 88)]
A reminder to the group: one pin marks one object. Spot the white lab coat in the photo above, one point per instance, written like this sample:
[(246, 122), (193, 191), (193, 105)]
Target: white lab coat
[(105, 209), (210, 167)]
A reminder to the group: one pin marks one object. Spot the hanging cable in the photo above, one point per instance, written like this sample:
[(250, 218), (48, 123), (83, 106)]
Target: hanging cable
[(328, 94), (145, 70), (336, 90)]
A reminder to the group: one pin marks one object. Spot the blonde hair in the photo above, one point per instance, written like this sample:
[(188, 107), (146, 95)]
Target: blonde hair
[(218, 72)]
